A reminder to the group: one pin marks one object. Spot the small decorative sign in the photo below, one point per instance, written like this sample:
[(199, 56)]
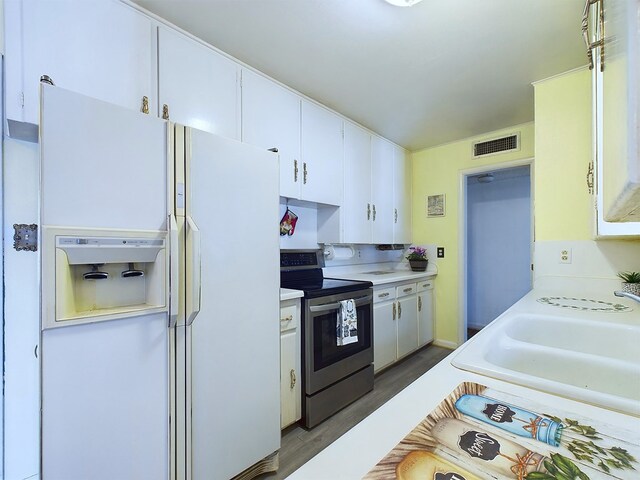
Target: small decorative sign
[(435, 205)]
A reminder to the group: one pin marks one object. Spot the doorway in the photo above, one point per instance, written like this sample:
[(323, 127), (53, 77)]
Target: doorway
[(497, 243)]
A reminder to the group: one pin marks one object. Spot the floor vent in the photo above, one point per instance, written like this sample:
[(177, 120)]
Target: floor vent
[(497, 145)]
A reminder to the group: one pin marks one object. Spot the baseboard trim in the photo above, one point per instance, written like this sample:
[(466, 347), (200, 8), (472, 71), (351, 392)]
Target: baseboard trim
[(445, 344)]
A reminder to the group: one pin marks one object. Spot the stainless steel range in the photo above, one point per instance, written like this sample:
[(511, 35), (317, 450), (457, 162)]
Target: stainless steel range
[(333, 376)]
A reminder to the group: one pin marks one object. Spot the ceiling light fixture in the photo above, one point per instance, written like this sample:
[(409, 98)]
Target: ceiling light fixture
[(403, 3), (486, 178)]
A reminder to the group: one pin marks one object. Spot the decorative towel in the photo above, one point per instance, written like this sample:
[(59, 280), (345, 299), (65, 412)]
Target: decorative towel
[(347, 323)]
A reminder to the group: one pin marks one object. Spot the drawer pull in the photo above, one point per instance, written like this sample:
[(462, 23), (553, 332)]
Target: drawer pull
[(425, 285), (292, 375), (287, 319), (382, 295), (407, 290), (419, 304)]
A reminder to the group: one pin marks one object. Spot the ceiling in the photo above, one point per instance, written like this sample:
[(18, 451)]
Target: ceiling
[(439, 71)]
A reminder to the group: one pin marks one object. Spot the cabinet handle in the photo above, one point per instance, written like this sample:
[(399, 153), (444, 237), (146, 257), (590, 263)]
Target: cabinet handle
[(145, 105), (394, 310), (382, 295), (165, 112), (585, 32), (407, 290), (287, 319), (374, 212), (590, 178), (292, 375), (399, 310), (304, 172), (295, 170), (395, 215), (368, 211), (419, 304)]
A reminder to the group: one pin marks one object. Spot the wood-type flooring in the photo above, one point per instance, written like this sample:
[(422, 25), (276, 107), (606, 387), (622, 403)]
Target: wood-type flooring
[(300, 445)]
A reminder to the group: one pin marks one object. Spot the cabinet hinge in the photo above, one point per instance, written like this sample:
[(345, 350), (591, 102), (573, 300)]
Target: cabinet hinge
[(22, 99)]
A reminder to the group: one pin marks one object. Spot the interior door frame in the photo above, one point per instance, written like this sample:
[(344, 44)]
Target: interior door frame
[(462, 231)]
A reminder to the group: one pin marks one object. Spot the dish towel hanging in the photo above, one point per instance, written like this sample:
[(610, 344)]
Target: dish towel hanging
[(347, 323)]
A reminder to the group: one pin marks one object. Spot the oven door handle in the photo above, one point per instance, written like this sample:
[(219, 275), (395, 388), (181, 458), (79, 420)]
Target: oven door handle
[(335, 306)]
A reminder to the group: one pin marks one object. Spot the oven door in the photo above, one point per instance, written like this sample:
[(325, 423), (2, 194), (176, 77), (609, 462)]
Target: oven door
[(325, 361)]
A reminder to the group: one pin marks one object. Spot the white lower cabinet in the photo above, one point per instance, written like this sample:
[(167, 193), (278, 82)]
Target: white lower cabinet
[(425, 312), (290, 393), (384, 327), (402, 320), (407, 319)]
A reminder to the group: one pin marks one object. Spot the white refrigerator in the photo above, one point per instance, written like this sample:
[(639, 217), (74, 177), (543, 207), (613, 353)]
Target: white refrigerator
[(160, 297)]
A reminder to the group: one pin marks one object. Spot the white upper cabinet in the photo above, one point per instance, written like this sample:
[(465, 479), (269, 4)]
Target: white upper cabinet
[(357, 209), (619, 85), (402, 196), (100, 49), (271, 119), (199, 86), (382, 170), (322, 155)]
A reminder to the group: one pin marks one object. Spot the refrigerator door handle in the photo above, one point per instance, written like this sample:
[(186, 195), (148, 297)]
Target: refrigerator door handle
[(194, 275), (174, 277)]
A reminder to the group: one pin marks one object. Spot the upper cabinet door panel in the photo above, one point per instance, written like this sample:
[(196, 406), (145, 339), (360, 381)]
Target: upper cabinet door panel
[(402, 196), (322, 155), (621, 111), (199, 85), (271, 119), (382, 170), (99, 49), (356, 206)]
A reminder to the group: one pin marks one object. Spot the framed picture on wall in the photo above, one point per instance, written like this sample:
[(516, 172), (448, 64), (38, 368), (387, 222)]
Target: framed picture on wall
[(435, 205)]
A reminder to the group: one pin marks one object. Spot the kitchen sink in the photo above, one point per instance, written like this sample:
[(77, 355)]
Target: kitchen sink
[(593, 360), (379, 272)]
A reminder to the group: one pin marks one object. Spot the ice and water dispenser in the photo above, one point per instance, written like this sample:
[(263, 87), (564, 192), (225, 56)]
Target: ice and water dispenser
[(90, 275)]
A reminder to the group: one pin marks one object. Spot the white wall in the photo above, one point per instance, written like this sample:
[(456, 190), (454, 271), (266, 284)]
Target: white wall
[(21, 319), (498, 244), (305, 235), (593, 267)]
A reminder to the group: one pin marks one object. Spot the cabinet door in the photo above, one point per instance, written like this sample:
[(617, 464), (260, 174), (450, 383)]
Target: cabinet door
[(425, 317), (271, 119), (402, 196), (99, 49), (199, 85), (356, 206), (384, 335), (289, 379), (407, 325), (382, 171), (322, 155), (620, 111)]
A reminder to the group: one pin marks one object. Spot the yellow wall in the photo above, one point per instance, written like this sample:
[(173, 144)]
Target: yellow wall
[(563, 205), (437, 170)]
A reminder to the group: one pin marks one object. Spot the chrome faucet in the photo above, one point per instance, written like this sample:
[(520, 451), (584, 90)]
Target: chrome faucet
[(619, 293)]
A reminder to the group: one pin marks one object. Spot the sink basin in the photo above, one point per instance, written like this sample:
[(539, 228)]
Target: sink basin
[(379, 272), (594, 361)]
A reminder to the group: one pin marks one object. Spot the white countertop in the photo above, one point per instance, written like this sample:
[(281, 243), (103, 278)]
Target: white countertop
[(379, 433), (288, 294), (374, 273)]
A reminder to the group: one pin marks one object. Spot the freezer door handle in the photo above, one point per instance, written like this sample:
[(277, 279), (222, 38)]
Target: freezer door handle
[(194, 273), (174, 275)]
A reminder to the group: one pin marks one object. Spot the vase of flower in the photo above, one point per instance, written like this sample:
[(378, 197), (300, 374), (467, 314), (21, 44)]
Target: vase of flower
[(418, 259), (630, 282)]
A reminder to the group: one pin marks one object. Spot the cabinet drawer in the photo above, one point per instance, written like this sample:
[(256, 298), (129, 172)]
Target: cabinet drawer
[(406, 289), (425, 285), (288, 318), (384, 295)]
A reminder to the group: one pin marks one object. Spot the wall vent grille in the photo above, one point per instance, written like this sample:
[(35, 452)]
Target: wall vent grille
[(497, 145)]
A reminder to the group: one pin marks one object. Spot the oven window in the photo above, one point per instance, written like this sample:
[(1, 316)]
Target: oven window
[(325, 349)]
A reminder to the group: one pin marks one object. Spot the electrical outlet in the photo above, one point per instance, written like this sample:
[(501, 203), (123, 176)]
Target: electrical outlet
[(440, 252), (565, 255)]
